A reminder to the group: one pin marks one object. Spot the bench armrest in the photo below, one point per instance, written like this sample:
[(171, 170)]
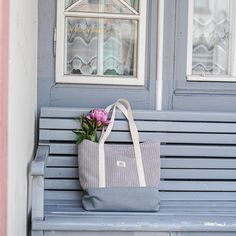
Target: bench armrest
[(39, 163), (38, 171)]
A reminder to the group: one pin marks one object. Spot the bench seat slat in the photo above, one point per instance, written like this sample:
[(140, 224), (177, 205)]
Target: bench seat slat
[(165, 173), (158, 126), (164, 203), (78, 210), (104, 233), (147, 223), (62, 135)]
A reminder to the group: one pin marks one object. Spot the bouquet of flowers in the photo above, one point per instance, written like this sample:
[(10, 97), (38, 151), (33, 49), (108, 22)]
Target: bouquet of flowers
[(95, 120)]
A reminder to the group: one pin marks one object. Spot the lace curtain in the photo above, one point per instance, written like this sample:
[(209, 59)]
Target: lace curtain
[(133, 3), (211, 37), (119, 42)]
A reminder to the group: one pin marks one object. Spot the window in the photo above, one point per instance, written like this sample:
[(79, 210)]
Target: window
[(101, 41), (211, 40)]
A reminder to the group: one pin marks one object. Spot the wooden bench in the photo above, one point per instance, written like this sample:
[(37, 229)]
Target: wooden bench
[(198, 177)]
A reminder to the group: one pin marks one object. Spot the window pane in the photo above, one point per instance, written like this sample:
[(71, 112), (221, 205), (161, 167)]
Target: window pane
[(120, 45), (134, 4), (101, 47), (105, 6), (211, 37), (68, 3), (82, 46)]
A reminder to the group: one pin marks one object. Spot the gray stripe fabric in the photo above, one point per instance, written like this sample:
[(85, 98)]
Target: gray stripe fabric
[(120, 164)]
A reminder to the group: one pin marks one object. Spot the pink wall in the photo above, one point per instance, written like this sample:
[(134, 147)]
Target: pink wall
[(4, 13)]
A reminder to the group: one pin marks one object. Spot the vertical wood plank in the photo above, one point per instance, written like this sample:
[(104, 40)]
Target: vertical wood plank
[(4, 14)]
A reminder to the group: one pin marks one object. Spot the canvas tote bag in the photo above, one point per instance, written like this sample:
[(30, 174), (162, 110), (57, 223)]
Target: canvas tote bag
[(120, 177)]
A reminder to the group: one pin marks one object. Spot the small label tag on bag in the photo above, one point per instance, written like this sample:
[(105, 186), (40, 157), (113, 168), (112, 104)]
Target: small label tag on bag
[(121, 164)]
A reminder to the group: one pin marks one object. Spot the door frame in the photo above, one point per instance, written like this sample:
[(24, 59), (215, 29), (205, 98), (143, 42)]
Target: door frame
[(160, 51)]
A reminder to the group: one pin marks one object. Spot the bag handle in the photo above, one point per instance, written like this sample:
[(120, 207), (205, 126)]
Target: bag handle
[(125, 108), (121, 103)]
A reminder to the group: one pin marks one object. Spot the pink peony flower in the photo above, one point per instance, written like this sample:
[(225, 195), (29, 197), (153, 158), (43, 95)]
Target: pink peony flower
[(90, 123), (99, 115)]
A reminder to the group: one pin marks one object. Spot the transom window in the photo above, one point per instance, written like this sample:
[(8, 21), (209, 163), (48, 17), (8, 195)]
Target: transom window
[(101, 41), (211, 43)]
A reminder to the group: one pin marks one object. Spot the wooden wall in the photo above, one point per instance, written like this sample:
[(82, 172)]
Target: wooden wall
[(3, 113)]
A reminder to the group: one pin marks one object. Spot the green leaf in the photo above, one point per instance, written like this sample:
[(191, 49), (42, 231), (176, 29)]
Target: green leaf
[(92, 138), (85, 126), (88, 130)]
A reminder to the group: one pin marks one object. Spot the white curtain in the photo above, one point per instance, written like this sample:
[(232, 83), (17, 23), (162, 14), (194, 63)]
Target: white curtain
[(211, 37)]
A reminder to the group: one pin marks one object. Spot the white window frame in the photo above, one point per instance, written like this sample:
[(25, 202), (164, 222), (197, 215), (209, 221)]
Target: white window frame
[(110, 80), (232, 50)]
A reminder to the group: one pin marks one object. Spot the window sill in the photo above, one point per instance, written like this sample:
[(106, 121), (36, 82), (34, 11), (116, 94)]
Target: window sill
[(100, 80), (218, 79)]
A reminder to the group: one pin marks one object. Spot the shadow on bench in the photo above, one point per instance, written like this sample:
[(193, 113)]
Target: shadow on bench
[(198, 177)]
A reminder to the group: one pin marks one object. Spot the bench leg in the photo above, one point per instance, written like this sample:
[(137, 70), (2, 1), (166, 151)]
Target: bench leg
[(37, 233)]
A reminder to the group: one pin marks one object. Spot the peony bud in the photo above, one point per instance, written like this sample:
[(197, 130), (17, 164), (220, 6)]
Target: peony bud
[(99, 123), (88, 117)]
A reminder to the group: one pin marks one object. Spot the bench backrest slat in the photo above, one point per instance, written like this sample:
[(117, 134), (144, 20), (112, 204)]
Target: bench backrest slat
[(170, 162), (167, 196), (184, 174), (198, 152), (166, 150), (67, 113), (158, 126), (73, 184), (116, 136)]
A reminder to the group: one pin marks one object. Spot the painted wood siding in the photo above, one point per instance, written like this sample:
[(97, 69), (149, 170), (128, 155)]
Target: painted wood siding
[(21, 111), (51, 93), (180, 94)]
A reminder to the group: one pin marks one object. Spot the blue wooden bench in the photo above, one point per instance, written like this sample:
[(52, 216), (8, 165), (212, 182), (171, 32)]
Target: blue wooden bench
[(198, 177)]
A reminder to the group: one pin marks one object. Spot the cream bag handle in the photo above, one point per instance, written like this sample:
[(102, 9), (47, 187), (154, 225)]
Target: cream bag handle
[(125, 108)]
